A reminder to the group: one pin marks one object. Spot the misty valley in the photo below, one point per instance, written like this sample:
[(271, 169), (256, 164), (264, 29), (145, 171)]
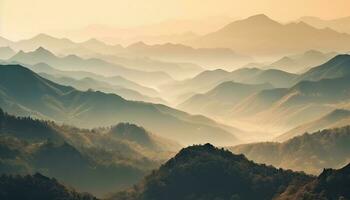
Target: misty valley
[(218, 109)]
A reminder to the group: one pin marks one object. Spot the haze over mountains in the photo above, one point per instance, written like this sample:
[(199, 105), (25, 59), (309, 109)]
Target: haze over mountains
[(110, 120), (260, 35), (194, 173), (45, 99), (302, 62), (80, 157), (341, 25), (97, 66)]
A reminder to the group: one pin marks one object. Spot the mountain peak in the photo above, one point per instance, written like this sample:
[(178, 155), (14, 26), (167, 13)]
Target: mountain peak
[(261, 20), (206, 149), (138, 45), (43, 51), (42, 36), (259, 17), (93, 41)]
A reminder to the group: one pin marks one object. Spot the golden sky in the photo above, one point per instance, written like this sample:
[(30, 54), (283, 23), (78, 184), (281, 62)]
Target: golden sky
[(23, 18)]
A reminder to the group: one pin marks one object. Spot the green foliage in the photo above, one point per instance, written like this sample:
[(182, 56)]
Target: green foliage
[(90, 160), (310, 152), (37, 187), (330, 185), (206, 173)]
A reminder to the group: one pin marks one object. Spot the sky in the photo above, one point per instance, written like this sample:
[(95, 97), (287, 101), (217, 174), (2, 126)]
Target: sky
[(24, 18)]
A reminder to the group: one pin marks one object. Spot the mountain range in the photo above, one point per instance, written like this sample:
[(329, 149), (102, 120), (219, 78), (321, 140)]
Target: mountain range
[(99, 161), (341, 25), (223, 97), (116, 81), (137, 53), (6, 53), (260, 35), (205, 172), (300, 63), (305, 101), (310, 153), (36, 96), (92, 84), (75, 63), (209, 79), (336, 118), (206, 57), (37, 186)]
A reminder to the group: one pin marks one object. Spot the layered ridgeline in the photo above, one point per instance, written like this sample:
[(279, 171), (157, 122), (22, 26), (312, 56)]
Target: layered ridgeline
[(331, 184), (194, 173), (310, 152), (25, 93), (114, 81), (260, 35), (334, 68), (37, 187), (222, 98), (205, 172), (6, 53), (208, 80), (334, 119), (317, 92), (99, 161), (209, 57), (339, 24), (93, 84), (164, 57), (300, 63), (98, 66)]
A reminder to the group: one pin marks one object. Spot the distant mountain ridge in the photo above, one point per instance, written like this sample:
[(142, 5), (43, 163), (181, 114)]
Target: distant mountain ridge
[(260, 35), (300, 63), (73, 155), (75, 63), (341, 25), (93, 109), (167, 52), (336, 118), (222, 98), (307, 152)]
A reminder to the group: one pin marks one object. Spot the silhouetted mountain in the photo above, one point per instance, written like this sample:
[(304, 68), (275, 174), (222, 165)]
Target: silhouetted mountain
[(75, 63), (117, 81), (5, 42), (215, 57), (334, 68), (209, 57), (99, 160), (37, 187), (92, 109), (341, 25), (208, 80), (260, 35), (304, 102), (331, 184), (61, 45), (336, 118), (302, 62), (221, 99), (205, 172), (258, 102), (6, 53), (179, 70), (309, 153), (90, 83), (142, 137)]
